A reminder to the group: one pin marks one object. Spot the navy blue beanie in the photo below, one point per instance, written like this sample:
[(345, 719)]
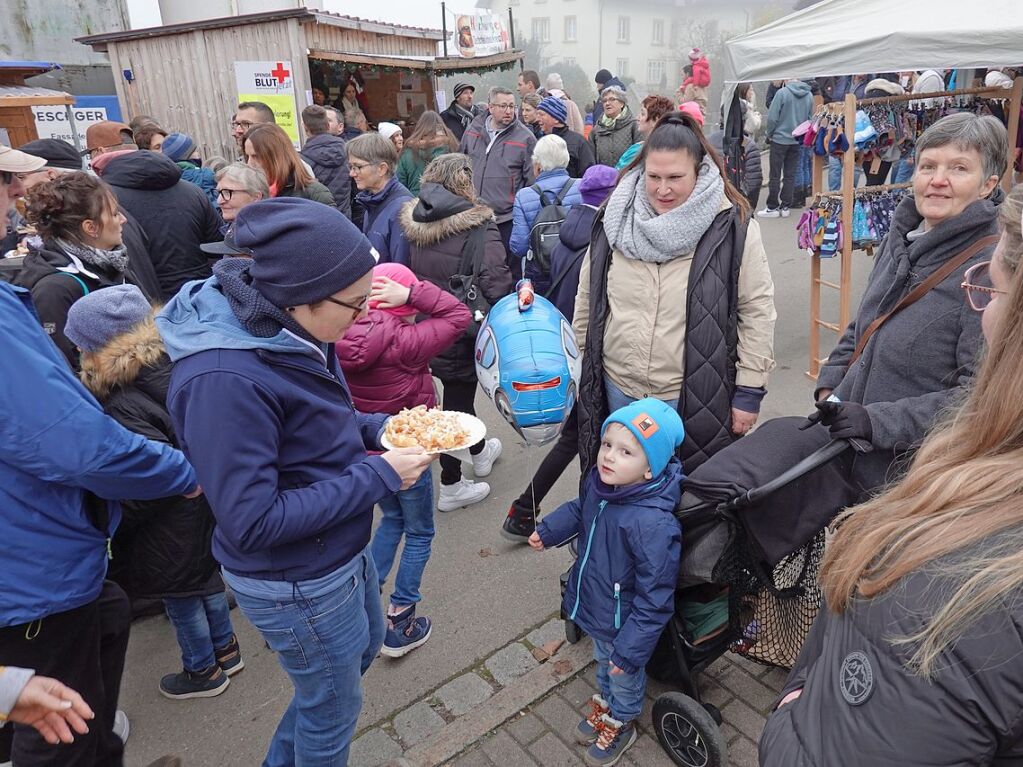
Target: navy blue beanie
[(302, 251), (655, 425), (555, 107)]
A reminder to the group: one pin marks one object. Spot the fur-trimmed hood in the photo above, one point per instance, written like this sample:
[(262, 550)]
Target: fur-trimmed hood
[(122, 361), (423, 233)]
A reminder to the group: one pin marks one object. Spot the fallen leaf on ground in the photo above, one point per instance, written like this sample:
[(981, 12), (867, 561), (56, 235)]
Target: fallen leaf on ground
[(562, 667), (485, 552)]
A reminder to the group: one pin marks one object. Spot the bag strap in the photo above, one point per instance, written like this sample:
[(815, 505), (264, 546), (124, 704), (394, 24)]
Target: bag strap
[(936, 277), (473, 251), (565, 190), (80, 281)]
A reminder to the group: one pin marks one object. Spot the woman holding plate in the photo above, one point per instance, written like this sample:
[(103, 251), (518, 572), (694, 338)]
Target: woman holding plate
[(263, 413)]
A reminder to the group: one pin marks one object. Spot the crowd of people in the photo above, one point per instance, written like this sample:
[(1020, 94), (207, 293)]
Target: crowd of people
[(162, 299)]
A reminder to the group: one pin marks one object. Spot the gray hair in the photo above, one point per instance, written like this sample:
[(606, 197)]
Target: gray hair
[(551, 153), (967, 131), (374, 149), (497, 90), (614, 92), (252, 179), (453, 171), (554, 82)]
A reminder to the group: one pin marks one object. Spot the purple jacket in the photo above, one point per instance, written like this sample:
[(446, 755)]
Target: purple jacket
[(386, 361)]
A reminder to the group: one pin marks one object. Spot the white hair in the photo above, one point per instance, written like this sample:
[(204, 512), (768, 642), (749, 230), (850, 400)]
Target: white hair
[(554, 82), (551, 153)]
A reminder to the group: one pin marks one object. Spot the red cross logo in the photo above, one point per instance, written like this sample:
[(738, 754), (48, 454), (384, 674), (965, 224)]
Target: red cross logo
[(281, 73)]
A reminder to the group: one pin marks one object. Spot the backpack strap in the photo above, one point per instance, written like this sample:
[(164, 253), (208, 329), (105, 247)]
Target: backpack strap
[(473, 251), (565, 190), (936, 277), (80, 281)]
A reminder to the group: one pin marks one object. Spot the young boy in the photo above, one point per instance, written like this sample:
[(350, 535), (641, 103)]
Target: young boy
[(622, 588)]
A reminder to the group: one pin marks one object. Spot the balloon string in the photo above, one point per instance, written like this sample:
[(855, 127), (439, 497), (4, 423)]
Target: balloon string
[(532, 490)]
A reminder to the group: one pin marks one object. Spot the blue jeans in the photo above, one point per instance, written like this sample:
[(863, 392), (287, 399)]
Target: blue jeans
[(202, 624), (902, 171), (623, 692), (616, 398), (408, 512), (326, 632), (835, 174)]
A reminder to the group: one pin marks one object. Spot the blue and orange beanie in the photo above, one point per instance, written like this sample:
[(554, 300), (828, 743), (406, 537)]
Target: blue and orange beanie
[(655, 425)]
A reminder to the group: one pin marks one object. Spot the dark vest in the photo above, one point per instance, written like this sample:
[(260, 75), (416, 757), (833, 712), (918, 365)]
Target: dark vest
[(710, 351)]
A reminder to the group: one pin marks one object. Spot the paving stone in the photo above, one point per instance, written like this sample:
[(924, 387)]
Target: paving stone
[(728, 733), (551, 752), (577, 692), (474, 758), (527, 728), (462, 694), (552, 630), (748, 689), (501, 749), (647, 752), (417, 723), (754, 669), (559, 715), (775, 678), (374, 747), (509, 663), (743, 753), (712, 692), (744, 719)]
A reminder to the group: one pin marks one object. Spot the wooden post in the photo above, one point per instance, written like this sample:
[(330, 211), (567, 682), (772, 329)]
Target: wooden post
[(819, 167), (1014, 107)]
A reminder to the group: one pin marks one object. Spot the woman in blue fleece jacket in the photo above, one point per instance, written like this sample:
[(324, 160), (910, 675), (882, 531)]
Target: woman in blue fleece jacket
[(262, 410), (621, 590)]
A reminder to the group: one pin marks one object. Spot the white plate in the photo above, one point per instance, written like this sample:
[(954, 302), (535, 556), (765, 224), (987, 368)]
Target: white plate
[(476, 428)]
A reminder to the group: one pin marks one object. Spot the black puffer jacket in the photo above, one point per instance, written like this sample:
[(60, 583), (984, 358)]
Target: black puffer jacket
[(860, 706), (436, 225), (56, 282), (176, 216), (163, 547), (567, 257), (753, 165), (327, 156)]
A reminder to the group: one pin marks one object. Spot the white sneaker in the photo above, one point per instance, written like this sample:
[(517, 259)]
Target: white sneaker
[(769, 213), (483, 463), (463, 493), (122, 727), (785, 212)]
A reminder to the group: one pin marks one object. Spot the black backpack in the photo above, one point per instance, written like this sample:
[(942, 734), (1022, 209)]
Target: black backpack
[(546, 230), (465, 285)]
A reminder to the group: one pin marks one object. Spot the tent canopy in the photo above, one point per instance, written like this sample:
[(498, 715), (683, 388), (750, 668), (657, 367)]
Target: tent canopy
[(851, 37)]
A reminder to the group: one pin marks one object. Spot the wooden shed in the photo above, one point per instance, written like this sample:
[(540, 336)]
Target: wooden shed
[(17, 100), (184, 75)]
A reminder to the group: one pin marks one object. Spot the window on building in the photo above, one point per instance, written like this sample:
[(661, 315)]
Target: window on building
[(675, 31), (570, 29), (658, 32), (622, 68), (542, 30), (654, 71), (569, 61), (623, 29)]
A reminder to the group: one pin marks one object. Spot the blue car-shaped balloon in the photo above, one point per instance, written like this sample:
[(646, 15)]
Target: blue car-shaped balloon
[(528, 363)]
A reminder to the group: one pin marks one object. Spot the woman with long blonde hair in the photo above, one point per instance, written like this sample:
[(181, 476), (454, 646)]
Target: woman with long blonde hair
[(918, 659)]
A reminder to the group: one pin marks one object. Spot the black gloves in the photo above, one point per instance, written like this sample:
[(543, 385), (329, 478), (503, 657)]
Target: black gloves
[(845, 420)]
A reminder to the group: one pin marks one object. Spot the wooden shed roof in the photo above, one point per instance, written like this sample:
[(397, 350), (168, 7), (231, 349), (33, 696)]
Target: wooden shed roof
[(100, 42)]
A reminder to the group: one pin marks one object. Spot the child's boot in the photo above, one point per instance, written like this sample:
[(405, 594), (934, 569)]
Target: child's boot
[(589, 727), (229, 657), (520, 523), (207, 683), (613, 740), (405, 632)]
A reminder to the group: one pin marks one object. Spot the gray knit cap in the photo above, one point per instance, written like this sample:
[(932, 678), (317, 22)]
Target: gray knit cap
[(94, 320)]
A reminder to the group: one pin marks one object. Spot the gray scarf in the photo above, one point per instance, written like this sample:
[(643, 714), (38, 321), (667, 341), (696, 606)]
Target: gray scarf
[(115, 260), (633, 226)]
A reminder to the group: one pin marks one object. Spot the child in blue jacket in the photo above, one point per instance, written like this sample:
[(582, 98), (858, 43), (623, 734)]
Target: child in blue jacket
[(622, 588)]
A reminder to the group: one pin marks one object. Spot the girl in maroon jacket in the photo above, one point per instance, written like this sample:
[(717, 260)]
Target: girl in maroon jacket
[(386, 361)]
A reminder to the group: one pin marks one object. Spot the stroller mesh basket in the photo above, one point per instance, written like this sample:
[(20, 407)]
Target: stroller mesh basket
[(770, 610)]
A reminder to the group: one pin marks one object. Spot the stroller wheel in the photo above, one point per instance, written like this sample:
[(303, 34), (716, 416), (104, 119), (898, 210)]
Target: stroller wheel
[(572, 632), (715, 714), (687, 732)]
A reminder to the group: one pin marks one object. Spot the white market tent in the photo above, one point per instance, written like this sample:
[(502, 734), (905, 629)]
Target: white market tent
[(850, 37)]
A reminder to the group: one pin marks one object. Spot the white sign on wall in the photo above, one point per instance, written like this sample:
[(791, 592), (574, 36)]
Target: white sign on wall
[(272, 83), (52, 122)]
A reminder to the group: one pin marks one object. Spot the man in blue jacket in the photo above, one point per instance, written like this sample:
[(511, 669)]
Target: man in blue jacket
[(261, 408), (63, 462)]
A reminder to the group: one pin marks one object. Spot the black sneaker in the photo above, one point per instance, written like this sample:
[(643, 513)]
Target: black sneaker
[(229, 657), (195, 684), (519, 524)]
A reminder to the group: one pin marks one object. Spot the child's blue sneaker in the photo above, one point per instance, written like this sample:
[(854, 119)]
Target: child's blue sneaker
[(405, 632), (588, 729), (613, 739)]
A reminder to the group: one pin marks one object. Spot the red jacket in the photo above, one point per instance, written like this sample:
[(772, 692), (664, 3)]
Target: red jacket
[(701, 74), (386, 361)]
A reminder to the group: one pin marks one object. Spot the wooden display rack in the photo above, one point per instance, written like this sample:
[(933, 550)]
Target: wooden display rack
[(848, 194)]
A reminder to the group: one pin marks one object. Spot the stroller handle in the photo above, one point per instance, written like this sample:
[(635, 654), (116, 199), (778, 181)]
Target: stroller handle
[(815, 460)]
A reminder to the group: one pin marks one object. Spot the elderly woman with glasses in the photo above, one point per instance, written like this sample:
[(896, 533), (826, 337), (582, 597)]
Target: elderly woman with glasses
[(675, 230), (887, 386), (239, 185)]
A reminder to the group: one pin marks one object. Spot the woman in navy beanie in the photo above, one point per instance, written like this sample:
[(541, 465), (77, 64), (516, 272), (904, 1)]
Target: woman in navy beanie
[(263, 413)]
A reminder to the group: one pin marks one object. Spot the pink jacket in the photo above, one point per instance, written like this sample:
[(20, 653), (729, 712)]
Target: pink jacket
[(386, 361)]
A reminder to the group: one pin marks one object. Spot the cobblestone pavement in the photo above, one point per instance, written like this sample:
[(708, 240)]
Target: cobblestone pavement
[(501, 713), (543, 734)]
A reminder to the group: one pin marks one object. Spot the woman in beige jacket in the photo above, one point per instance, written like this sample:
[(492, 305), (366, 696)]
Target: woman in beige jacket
[(675, 298)]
